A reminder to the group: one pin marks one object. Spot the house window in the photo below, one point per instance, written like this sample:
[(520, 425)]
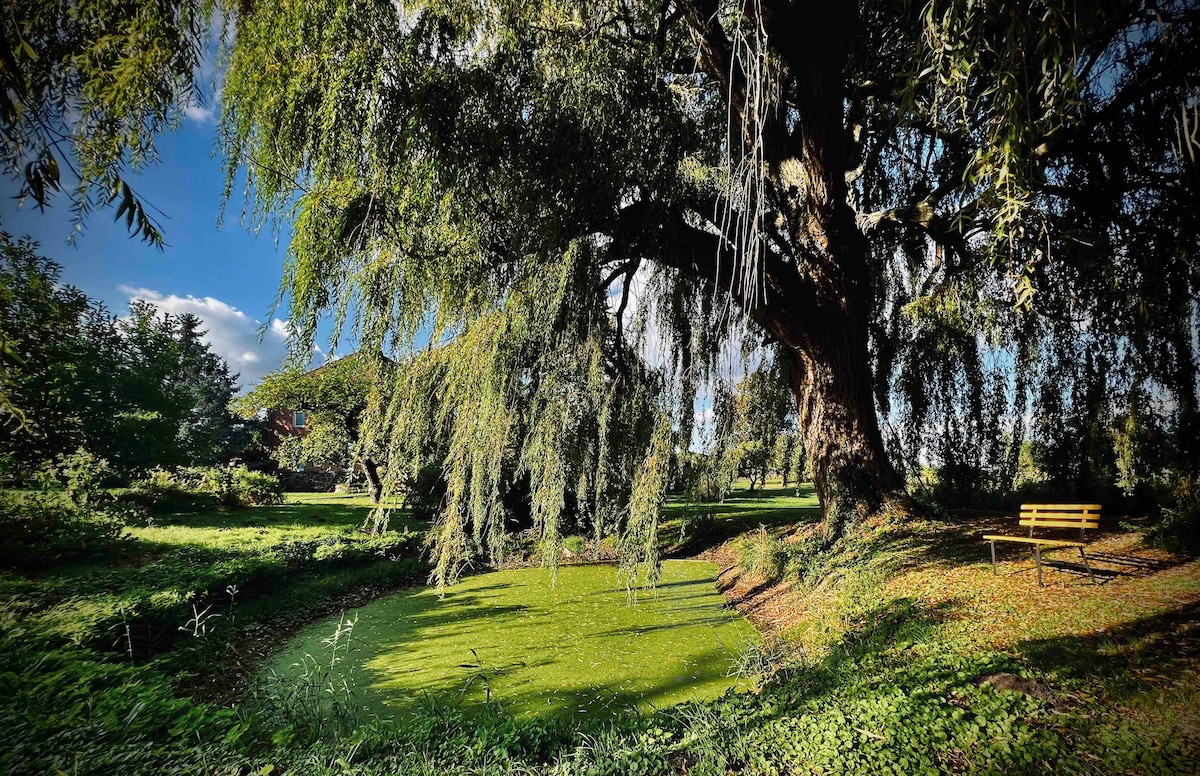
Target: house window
[(299, 420)]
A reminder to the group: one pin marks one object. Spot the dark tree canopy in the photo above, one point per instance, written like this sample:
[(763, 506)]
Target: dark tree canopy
[(141, 391), (958, 224)]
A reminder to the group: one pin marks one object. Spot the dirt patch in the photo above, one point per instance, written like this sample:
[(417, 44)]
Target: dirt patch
[(771, 607), (1014, 683)]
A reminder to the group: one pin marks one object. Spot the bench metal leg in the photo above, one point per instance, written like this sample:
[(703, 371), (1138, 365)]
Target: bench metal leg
[(1037, 553), (993, 557), (1087, 566)]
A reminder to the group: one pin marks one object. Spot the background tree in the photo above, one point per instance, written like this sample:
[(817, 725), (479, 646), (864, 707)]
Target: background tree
[(940, 214), (59, 371), (789, 458), (140, 391), (172, 395), (766, 412), (334, 397), (749, 424)]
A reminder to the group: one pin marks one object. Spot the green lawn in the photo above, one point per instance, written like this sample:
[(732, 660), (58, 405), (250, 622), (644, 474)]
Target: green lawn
[(688, 528), (884, 665), (570, 648), (176, 557)]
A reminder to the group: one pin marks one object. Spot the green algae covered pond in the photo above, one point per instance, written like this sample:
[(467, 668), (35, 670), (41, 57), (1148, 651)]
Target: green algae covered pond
[(574, 648)]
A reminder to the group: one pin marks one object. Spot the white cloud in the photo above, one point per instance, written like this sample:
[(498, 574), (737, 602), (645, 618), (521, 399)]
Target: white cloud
[(199, 114), (232, 334)]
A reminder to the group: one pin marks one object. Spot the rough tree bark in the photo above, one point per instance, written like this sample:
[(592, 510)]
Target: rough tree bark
[(817, 287), (831, 380)]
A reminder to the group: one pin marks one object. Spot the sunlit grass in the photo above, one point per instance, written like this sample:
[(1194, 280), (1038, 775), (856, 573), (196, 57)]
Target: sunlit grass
[(174, 557)]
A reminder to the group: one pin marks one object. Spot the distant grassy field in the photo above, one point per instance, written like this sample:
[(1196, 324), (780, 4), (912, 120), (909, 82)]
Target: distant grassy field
[(687, 527), (567, 648)]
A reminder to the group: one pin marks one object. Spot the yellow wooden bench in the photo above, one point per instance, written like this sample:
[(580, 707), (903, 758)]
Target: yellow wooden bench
[(1081, 516)]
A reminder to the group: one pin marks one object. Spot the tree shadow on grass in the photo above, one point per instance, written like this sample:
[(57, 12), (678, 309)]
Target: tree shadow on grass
[(1163, 644), (700, 538), (958, 542), (283, 515)]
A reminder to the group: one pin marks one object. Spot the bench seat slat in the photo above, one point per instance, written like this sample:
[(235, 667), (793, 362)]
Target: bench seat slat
[(1028, 540)]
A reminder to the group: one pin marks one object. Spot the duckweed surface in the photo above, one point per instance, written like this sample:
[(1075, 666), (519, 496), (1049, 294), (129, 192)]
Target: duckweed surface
[(571, 648)]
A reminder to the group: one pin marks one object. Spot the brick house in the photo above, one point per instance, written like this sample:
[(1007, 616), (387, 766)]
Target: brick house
[(282, 424), (286, 422)]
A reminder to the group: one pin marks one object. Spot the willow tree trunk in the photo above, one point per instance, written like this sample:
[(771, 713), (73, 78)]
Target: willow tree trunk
[(822, 322), (831, 381), (825, 322), (816, 285), (374, 486)]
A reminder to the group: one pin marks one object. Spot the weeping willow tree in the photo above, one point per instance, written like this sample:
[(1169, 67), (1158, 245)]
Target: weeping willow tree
[(966, 218)]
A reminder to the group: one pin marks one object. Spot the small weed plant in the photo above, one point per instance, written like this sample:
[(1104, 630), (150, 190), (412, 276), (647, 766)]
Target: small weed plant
[(318, 701)]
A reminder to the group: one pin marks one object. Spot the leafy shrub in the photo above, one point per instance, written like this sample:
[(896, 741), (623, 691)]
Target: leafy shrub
[(54, 526), (576, 545), (1178, 530), (80, 476), (13, 471), (43, 529), (256, 488), (193, 488), (161, 493), (336, 552)]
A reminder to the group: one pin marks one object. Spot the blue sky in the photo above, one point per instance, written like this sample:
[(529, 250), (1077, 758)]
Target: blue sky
[(228, 276)]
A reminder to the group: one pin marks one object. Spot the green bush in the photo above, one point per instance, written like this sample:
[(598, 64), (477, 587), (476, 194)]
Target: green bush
[(1178, 530), (44, 529), (424, 492), (256, 488), (80, 477), (195, 488), (73, 519), (576, 545), (337, 552), (161, 493)]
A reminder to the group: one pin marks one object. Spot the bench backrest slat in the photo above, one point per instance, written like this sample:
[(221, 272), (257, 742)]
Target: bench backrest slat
[(1061, 515)]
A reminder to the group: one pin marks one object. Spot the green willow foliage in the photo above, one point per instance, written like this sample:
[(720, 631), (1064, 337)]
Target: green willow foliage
[(85, 86), (1082, 188), (980, 215)]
